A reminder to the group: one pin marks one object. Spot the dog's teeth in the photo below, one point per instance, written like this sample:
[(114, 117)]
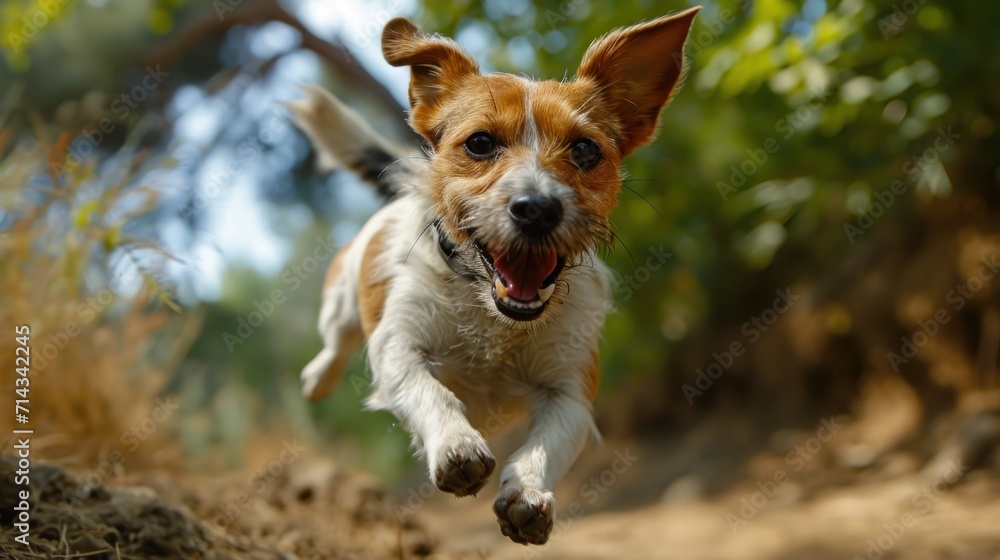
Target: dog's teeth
[(545, 293), (515, 304), (500, 288)]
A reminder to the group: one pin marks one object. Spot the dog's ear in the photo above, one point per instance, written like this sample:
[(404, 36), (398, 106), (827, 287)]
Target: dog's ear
[(437, 65), (637, 69)]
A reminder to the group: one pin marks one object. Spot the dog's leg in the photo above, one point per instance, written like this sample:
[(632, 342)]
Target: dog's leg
[(339, 325), (458, 459), (525, 505)]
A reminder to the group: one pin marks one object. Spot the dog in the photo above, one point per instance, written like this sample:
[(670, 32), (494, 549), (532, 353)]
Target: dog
[(477, 286)]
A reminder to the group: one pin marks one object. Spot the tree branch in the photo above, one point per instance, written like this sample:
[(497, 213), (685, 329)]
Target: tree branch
[(334, 53)]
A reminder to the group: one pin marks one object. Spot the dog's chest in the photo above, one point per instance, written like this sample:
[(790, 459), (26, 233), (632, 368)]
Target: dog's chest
[(480, 350), (491, 372), (483, 356)]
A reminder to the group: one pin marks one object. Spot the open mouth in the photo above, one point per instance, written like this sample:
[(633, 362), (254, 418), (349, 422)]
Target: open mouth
[(523, 282)]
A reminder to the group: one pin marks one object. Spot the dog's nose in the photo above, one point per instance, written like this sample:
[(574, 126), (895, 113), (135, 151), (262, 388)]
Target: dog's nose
[(535, 214)]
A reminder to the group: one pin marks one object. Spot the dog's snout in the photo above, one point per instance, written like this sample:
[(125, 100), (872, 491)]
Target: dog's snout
[(535, 214)]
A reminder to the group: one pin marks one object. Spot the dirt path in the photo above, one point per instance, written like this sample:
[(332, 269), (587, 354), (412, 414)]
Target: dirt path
[(653, 509), (870, 521), (689, 499)]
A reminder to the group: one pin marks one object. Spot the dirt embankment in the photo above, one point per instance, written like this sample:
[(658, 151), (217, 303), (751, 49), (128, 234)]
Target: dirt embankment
[(312, 509)]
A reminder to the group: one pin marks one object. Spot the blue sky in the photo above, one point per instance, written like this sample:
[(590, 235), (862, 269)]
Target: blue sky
[(238, 225)]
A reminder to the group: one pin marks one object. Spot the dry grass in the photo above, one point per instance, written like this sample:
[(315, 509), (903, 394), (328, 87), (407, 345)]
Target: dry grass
[(104, 338), (106, 341)]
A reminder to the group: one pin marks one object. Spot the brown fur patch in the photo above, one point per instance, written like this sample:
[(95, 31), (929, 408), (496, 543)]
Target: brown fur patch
[(438, 67), (333, 272), (372, 285)]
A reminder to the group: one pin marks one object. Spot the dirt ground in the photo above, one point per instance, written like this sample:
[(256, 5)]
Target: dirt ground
[(818, 513), (796, 495), (308, 509)]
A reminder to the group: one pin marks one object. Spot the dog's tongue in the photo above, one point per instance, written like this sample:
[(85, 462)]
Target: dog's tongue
[(525, 273)]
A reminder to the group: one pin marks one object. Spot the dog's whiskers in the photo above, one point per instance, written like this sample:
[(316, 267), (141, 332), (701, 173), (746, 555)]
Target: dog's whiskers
[(422, 232), (386, 168), (626, 248)]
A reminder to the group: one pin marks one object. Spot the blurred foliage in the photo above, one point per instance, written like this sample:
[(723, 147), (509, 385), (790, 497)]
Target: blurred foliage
[(22, 20)]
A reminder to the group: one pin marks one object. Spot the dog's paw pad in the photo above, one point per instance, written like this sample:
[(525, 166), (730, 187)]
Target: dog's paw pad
[(464, 470), (524, 516)]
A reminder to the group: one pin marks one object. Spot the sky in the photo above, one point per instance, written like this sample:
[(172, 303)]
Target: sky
[(236, 221)]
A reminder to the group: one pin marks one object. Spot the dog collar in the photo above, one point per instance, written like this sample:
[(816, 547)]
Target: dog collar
[(448, 250)]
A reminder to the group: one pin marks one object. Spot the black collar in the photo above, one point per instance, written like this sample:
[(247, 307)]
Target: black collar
[(449, 252)]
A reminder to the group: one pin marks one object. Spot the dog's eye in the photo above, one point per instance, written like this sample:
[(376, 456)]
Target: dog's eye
[(481, 145), (586, 153)]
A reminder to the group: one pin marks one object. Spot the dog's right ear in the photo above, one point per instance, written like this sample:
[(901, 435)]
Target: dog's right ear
[(437, 64), (637, 69)]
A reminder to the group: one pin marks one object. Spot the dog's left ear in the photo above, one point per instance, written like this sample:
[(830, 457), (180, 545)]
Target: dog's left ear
[(637, 69), (438, 67)]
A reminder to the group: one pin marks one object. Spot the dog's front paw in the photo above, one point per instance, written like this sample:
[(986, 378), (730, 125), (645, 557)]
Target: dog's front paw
[(463, 468), (525, 515)]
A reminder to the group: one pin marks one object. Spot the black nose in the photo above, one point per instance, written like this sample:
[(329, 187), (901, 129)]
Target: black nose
[(535, 214)]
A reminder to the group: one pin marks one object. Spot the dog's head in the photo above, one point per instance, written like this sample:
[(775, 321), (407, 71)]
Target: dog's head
[(525, 173)]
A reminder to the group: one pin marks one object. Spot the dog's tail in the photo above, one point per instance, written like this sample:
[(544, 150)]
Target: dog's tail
[(343, 138)]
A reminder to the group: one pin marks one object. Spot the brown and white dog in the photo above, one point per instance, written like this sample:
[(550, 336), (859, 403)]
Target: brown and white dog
[(477, 286)]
